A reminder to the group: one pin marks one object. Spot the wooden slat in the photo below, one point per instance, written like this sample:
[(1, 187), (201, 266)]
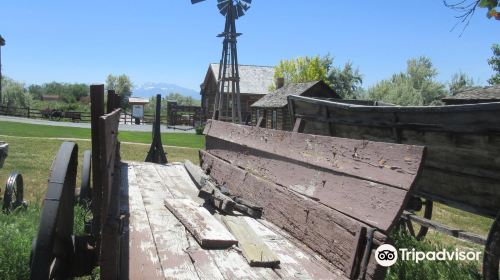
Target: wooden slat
[(295, 263), (168, 233), (255, 251), (178, 181), (143, 261), (195, 172), (203, 226), (110, 208), (455, 232), (394, 164), (325, 230)]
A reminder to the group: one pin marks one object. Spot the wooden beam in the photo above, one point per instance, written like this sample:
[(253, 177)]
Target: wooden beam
[(451, 231), (209, 232), (254, 250)]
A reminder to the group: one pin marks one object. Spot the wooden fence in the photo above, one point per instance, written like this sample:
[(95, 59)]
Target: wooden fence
[(77, 116)]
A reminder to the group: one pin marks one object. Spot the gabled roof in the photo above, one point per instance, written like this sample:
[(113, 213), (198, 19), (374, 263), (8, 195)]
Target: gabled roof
[(476, 93), (278, 98), (253, 79)]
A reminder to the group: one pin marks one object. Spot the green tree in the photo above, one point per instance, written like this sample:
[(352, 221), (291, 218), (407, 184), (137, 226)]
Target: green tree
[(304, 69), (111, 82), (122, 85), (14, 94), (460, 80), (415, 87), (494, 62), (36, 91), (346, 82)]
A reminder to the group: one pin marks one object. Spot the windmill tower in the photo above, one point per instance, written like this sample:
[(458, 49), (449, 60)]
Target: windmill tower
[(227, 105)]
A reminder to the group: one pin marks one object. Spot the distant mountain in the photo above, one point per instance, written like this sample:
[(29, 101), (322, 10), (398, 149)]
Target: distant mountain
[(148, 90)]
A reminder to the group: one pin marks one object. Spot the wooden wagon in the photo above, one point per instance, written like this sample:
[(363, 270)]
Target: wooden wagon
[(327, 203), (462, 164)]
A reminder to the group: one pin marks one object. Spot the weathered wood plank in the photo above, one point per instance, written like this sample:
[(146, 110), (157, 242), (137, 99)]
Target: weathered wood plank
[(455, 232), (203, 226), (143, 258), (195, 172), (325, 230), (255, 251), (356, 158), (168, 233), (178, 182), (294, 262)]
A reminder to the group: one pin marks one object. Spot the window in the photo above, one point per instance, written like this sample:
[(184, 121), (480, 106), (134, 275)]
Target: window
[(274, 120)]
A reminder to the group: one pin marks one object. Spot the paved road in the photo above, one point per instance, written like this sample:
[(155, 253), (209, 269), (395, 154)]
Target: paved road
[(123, 127)]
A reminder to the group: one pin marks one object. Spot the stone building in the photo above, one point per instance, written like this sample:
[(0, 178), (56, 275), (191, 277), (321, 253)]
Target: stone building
[(273, 107), (255, 82)]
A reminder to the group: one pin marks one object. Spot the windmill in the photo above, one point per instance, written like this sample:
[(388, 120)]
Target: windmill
[(228, 85)]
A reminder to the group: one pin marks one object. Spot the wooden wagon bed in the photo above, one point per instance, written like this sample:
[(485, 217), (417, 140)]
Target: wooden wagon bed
[(155, 244)]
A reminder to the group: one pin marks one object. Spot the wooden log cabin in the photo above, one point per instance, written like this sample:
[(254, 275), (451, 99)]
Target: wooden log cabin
[(255, 82), (273, 107)]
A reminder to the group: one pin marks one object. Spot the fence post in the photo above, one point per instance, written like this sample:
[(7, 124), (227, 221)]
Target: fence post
[(29, 115)]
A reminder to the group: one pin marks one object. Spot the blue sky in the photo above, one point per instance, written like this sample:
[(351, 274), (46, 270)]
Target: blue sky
[(174, 41)]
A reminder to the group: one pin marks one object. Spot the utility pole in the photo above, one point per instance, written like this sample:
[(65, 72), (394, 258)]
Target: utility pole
[(2, 43)]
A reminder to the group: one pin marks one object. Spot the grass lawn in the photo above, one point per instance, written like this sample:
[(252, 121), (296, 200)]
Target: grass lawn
[(33, 158), (46, 131)]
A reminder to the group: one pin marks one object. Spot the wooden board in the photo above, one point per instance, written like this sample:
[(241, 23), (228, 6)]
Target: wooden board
[(209, 232), (143, 261), (254, 249), (391, 164), (169, 235)]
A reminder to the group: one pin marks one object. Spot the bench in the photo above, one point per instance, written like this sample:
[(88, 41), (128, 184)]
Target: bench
[(341, 197)]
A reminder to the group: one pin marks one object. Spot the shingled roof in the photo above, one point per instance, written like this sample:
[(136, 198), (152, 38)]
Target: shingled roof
[(485, 94), (278, 98), (253, 79)]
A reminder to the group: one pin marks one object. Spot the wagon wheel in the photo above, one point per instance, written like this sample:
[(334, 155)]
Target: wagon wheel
[(85, 193), (427, 212), (53, 247), (492, 252), (13, 190)]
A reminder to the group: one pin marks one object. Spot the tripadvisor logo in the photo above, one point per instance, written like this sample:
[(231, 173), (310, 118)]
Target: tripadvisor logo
[(387, 255)]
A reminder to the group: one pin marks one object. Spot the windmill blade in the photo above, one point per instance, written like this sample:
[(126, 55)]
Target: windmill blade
[(196, 1), (223, 6), (239, 11), (245, 4)]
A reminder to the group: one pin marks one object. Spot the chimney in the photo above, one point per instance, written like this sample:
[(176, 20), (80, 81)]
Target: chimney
[(280, 82)]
